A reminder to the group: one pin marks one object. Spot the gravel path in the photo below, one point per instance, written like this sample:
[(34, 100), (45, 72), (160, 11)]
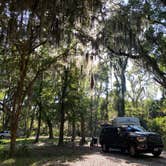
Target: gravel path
[(116, 158)]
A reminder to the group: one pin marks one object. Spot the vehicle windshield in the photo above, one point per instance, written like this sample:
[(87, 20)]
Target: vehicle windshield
[(135, 128)]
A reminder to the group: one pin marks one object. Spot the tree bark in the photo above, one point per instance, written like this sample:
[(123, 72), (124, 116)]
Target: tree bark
[(82, 129), (39, 123), (62, 121), (106, 118), (18, 98), (91, 116), (49, 123), (73, 127), (122, 94), (6, 120), (31, 125), (62, 107), (14, 126), (39, 102), (120, 69)]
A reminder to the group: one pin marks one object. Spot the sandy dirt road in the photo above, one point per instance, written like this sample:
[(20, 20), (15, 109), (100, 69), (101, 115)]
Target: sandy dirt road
[(115, 158)]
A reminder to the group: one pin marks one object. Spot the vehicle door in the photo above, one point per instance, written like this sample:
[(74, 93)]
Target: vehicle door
[(108, 136), (114, 138), (122, 137)]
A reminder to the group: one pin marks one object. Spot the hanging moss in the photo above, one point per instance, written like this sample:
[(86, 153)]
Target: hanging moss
[(44, 19)]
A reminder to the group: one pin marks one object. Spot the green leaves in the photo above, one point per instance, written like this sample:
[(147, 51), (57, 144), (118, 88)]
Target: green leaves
[(2, 95)]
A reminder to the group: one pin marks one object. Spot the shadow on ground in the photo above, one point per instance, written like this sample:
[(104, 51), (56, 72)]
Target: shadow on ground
[(142, 159), (47, 155)]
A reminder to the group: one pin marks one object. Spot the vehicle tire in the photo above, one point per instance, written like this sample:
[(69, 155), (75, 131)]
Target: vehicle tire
[(132, 151), (1, 137), (157, 153), (105, 148)]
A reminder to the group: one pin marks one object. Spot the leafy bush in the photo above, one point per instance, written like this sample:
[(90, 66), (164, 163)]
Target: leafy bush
[(158, 125), (4, 154)]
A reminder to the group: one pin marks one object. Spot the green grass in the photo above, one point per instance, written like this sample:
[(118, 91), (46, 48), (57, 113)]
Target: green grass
[(46, 151)]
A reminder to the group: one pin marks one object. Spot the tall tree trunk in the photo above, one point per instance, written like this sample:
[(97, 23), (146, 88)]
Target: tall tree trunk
[(62, 121), (96, 110), (68, 129), (106, 109), (62, 111), (122, 95), (39, 102), (13, 128), (15, 112), (82, 129), (18, 98), (28, 103), (91, 117), (6, 120), (25, 124), (49, 123), (31, 124), (120, 69), (73, 127), (39, 123)]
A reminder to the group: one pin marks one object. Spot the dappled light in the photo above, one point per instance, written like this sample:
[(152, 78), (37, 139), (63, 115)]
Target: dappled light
[(69, 69)]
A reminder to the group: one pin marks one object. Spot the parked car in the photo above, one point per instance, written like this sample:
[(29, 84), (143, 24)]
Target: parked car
[(134, 139), (5, 134)]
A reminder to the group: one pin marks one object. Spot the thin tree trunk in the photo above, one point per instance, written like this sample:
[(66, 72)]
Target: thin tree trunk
[(39, 102), (82, 129), (31, 124), (6, 120), (50, 128), (27, 129), (106, 113), (73, 127), (62, 121), (39, 123), (25, 125), (62, 111), (96, 111), (91, 117)]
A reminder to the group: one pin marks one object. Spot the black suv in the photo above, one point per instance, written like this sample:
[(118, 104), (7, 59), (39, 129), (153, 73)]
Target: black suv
[(135, 139)]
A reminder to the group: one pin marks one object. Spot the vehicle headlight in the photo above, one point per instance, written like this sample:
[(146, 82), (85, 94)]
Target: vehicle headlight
[(141, 139)]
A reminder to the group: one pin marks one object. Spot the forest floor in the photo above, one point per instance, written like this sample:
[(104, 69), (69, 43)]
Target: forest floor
[(115, 158), (47, 153)]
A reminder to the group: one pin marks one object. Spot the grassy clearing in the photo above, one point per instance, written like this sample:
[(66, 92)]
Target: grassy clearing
[(46, 151)]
